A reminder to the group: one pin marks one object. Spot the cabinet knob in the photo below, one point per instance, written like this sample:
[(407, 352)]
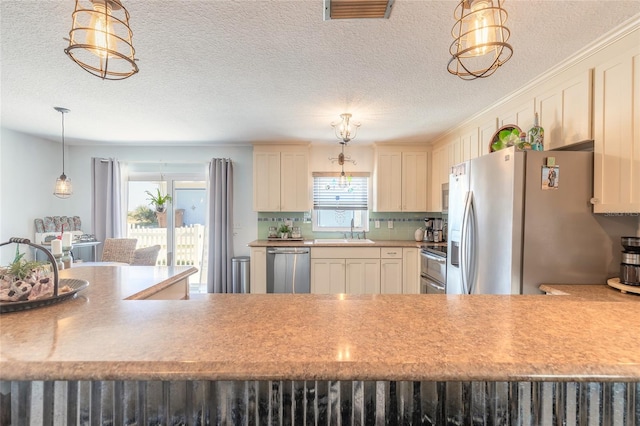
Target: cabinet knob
[(594, 201)]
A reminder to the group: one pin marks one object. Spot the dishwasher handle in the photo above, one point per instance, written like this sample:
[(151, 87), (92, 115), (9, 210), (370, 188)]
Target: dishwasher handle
[(287, 250)]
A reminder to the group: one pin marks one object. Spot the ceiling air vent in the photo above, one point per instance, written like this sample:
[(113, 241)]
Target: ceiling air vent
[(357, 9)]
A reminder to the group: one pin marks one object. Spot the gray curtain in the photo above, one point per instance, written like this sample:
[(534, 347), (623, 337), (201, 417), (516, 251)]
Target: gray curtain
[(106, 200), (220, 226)]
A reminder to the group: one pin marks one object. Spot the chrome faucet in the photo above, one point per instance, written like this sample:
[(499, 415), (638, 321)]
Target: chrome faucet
[(352, 228)]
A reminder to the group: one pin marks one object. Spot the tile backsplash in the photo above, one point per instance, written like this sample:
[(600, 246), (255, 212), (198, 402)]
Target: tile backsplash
[(404, 225)]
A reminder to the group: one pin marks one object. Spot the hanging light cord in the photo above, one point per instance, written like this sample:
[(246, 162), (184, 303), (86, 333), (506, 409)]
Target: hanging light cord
[(62, 112)]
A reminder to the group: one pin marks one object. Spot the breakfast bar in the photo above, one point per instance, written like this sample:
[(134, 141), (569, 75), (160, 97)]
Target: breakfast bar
[(421, 359)]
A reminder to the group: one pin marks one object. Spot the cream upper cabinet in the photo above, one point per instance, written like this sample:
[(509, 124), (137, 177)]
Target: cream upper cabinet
[(258, 270), (486, 131), (565, 112), (470, 145), (281, 178), (440, 174), (522, 116), (415, 181), (266, 181), (401, 180), (294, 182), (388, 182), (617, 134)]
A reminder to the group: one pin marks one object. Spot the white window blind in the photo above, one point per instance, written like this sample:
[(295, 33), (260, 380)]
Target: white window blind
[(329, 194)]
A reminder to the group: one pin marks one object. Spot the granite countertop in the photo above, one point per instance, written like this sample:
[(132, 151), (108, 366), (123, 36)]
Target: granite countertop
[(596, 292), (99, 336), (313, 243)]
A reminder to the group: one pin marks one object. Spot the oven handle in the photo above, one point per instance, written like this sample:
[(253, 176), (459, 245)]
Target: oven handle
[(434, 257), (436, 286), (431, 283)]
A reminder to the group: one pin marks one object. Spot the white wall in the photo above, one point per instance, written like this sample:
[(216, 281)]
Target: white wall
[(30, 166)]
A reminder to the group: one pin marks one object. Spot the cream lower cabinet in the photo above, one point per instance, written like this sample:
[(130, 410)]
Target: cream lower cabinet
[(391, 270), (363, 276), (617, 134), (411, 270), (345, 270), (258, 270), (328, 276)]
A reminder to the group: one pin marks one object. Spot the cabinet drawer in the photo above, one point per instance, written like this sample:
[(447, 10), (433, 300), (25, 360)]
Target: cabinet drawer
[(345, 252), (391, 252)]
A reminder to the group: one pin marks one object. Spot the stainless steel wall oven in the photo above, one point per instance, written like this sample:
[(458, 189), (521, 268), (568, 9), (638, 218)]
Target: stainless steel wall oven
[(433, 269)]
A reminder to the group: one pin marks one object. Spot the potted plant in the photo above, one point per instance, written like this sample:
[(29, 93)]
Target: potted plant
[(158, 201), (284, 231), (25, 280)]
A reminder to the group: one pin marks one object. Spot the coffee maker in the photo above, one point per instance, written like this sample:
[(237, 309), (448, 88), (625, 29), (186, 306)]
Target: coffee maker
[(428, 230), (438, 228)]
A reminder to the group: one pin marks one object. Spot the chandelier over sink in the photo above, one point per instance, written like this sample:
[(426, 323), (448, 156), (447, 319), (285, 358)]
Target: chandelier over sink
[(345, 129)]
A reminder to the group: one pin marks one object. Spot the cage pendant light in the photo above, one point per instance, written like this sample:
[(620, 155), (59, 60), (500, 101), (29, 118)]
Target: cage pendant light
[(100, 39), (480, 40), (63, 188)]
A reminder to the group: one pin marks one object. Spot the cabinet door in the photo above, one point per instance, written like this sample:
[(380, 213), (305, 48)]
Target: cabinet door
[(328, 276), (266, 181), (411, 270), (258, 270), (550, 118), (437, 163), (391, 276), (415, 181), (294, 183), (455, 152), (522, 116), (470, 146), (486, 132), (565, 112), (363, 276), (617, 135), (576, 109), (388, 190)]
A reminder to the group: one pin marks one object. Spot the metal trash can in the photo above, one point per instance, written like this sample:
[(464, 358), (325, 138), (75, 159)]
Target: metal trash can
[(240, 276)]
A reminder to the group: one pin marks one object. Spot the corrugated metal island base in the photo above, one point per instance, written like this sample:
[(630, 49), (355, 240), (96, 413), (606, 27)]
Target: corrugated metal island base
[(324, 403), (318, 359)]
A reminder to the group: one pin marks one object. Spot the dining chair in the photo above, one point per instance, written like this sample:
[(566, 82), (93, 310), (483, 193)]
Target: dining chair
[(119, 250), (146, 256)]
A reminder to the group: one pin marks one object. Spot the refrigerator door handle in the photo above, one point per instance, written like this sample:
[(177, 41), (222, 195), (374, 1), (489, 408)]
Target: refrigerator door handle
[(473, 246), (464, 266)]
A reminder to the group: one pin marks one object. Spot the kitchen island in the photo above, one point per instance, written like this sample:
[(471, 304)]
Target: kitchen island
[(415, 358)]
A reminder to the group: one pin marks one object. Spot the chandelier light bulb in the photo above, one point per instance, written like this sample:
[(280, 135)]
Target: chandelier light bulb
[(345, 129)]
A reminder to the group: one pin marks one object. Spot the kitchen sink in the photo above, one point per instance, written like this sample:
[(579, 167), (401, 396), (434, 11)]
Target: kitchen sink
[(342, 241)]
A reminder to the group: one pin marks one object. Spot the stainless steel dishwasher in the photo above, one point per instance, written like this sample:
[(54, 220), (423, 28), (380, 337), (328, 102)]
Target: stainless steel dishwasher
[(288, 270)]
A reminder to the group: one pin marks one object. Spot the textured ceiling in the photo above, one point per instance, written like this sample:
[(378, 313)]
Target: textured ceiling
[(272, 70)]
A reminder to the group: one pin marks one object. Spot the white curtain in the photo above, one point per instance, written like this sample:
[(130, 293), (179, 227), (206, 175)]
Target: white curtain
[(106, 200), (220, 226)]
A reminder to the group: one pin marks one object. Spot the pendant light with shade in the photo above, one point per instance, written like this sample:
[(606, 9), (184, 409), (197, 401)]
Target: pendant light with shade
[(63, 188), (100, 39), (480, 39)]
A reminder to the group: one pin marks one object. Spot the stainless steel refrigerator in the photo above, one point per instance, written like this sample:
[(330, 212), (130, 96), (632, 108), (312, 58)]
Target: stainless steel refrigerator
[(521, 219)]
